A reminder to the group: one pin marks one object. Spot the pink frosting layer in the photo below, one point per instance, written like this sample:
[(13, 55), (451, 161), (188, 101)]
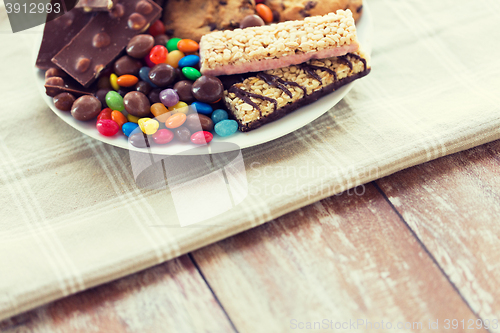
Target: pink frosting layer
[(285, 61)]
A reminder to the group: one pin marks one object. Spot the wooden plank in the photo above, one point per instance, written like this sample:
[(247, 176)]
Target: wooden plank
[(171, 297), (342, 259), (453, 206)]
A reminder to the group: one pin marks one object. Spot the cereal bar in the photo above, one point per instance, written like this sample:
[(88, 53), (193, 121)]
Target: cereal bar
[(278, 45)]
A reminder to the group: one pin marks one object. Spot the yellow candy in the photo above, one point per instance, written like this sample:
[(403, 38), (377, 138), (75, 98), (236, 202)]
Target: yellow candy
[(132, 119), (148, 125), (113, 80), (173, 58), (180, 107)]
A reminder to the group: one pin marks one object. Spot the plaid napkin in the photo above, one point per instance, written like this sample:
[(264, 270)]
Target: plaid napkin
[(76, 212)]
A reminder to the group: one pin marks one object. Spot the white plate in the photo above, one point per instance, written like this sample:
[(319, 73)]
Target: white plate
[(266, 133)]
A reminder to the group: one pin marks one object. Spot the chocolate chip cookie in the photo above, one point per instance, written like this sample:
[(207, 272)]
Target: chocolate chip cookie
[(195, 18), (287, 10)]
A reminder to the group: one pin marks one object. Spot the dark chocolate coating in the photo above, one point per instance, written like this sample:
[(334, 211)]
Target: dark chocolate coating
[(101, 95), (86, 108), (183, 89), (208, 89), (140, 45), (136, 104), (182, 133), (143, 87), (161, 40), (196, 122), (162, 75), (127, 65), (64, 101), (154, 96)]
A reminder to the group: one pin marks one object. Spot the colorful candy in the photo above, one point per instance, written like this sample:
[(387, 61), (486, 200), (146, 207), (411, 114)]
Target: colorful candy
[(226, 127), (191, 73), (129, 127), (160, 112), (105, 114), (163, 136), (132, 119), (156, 28), (265, 12), (113, 80), (149, 126), (219, 115), (189, 61), (107, 127), (180, 107), (169, 97), (188, 45), (197, 122), (201, 137), (118, 117), (114, 101), (127, 80), (138, 139), (172, 44), (158, 54), (175, 120), (174, 58), (182, 134), (202, 108), (144, 75)]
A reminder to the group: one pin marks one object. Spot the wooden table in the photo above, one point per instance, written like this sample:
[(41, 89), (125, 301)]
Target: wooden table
[(416, 247)]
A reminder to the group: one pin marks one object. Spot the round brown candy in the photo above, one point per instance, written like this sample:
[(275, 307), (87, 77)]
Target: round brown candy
[(178, 75), (251, 21), (208, 89), (144, 7), (196, 122), (64, 101), (183, 89), (101, 95), (162, 75), (140, 45), (161, 40), (154, 96), (50, 83), (85, 108), (136, 104), (127, 65), (182, 134), (143, 87), (53, 71)]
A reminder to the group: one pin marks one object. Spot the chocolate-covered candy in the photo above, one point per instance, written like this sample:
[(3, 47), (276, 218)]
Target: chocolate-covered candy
[(101, 95), (64, 101), (178, 75), (182, 134), (140, 45), (154, 96), (139, 140), (183, 89), (54, 82), (54, 72), (208, 89), (161, 39), (127, 65), (124, 90), (196, 122), (251, 21), (162, 75), (85, 108), (136, 104), (143, 87)]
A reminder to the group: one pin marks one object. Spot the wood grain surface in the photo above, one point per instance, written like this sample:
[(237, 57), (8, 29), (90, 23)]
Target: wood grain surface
[(420, 245)]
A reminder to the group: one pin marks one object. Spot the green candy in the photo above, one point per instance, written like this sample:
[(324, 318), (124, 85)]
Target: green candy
[(114, 101), (172, 44), (191, 73)]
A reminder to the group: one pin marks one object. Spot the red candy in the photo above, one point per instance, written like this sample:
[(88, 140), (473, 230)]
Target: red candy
[(201, 137), (158, 54), (105, 114), (107, 127), (163, 136), (157, 28)]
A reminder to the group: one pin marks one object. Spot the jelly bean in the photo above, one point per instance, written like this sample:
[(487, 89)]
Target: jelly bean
[(175, 120), (138, 139), (182, 134), (163, 136), (201, 137), (158, 54), (107, 127), (127, 80), (169, 97), (174, 57), (160, 112), (226, 127), (149, 126), (118, 117), (114, 101), (191, 73), (180, 107), (265, 12), (172, 44), (113, 80), (128, 128), (105, 114), (144, 75), (133, 119), (188, 45), (157, 28), (219, 115), (189, 61), (202, 108)]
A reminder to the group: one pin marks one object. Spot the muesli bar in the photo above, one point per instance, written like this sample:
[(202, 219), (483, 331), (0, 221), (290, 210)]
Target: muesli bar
[(278, 45), (263, 97)]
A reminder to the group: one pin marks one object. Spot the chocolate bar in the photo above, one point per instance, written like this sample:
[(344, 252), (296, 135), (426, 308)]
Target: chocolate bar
[(104, 38), (259, 98), (278, 45), (95, 5), (59, 32)]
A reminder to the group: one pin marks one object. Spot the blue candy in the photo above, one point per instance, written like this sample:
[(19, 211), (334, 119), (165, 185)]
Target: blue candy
[(226, 127), (202, 108), (144, 75), (189, 61), (128, 128), (219, 115)]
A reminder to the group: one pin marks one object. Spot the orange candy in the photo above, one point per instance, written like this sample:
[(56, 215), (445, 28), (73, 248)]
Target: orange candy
[(119, 118), (189, 45), (160, 112), (175, 120), (264, 12), (127, 80)]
